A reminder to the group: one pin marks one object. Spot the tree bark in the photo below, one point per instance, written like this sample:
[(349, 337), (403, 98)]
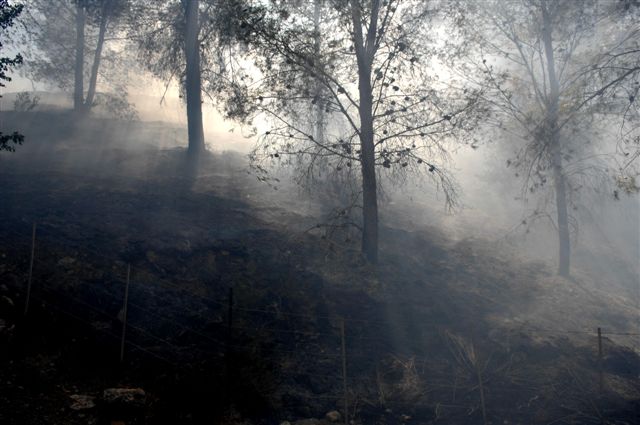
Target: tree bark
[(193, 82), (93, 80), (78, 87), (564, 239), (317, 42), (369, 185), (364, 54)]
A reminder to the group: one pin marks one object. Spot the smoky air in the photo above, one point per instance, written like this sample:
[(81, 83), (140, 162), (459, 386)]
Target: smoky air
[(316, 212)]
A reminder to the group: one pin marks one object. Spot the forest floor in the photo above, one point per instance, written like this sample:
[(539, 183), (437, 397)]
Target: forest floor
[(239, 307)]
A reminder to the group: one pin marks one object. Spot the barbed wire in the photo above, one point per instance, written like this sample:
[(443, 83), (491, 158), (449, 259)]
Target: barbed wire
[(227, 345), (580, 332), (104, 331), (463, 391), (278, 312), (329, 318)]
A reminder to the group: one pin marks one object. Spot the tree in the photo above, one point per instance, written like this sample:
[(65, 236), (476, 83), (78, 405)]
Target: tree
[(536, 61), (193, 86), (174, 39), (8, 14), (370, 69), (68, 45), (615, 71)]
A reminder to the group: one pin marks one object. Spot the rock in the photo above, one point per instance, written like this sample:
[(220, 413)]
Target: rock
[(133, 397), (333, 416), (82, 402), (310, 421), (66, 262)]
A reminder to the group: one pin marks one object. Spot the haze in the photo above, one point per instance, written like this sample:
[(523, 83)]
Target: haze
[(316, 212)]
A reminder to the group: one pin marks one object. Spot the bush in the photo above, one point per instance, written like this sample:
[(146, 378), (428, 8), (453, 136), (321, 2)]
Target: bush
[(24, 102)]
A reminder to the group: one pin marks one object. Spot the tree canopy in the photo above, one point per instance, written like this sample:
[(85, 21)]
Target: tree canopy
[(8, 14), (373, 72)]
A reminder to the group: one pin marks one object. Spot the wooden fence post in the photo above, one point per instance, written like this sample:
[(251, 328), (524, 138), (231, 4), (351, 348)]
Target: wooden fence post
[(124, 312), (600, 363), (344, 373), (481, 389), (230, 316), (33, 252), (229, 393)]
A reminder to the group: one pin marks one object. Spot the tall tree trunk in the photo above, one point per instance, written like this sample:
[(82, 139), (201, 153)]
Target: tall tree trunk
[(78, 86), (564, 239), (365, 52), (93, 80), (317, 43), (369, 185), (194, 87)]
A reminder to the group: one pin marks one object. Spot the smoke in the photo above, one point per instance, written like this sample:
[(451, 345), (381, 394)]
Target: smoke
[(491, 206)]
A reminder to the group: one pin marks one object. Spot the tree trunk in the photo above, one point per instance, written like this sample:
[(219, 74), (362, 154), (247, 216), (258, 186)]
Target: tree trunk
[(564, 237), (193, 83), (365, 52), (104, 19), (78, 87), (564, 240), (369, 185), (317, 42)]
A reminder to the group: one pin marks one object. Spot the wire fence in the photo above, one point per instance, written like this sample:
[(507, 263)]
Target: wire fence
[(239, 329)]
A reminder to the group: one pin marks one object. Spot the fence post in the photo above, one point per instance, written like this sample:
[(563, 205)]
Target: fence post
[(344, 373), (228, 352), (600, 365), (124, 312), (33, 252), (230, 316), (481, 389)]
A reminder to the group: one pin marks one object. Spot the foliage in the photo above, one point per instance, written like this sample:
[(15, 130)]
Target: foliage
[(116, 106), (506, 53), (301, 92), (543, 65), (616, 75), (7, 141), (50, 32), (24, 102), (8, 14), (159, 33)]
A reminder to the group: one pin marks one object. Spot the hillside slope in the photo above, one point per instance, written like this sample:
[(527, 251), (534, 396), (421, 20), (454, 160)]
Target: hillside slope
[(238, 307)]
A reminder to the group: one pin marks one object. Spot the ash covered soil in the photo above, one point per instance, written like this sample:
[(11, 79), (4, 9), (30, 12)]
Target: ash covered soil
[(238, 305)]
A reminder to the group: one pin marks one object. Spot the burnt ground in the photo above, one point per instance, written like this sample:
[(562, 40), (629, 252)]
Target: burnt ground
[(434, 333)]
